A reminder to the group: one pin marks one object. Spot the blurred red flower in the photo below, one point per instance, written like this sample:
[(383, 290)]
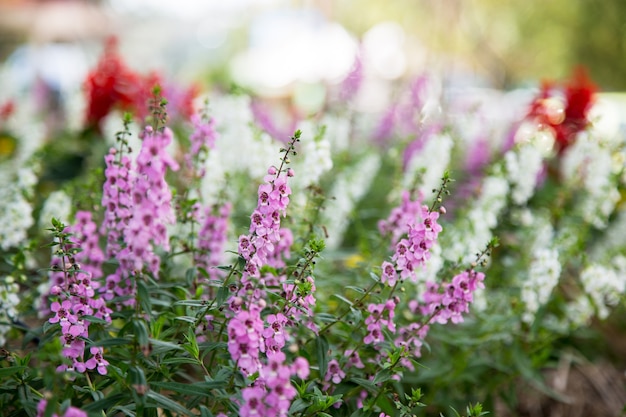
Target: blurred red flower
[(565, 118), (113, 85)]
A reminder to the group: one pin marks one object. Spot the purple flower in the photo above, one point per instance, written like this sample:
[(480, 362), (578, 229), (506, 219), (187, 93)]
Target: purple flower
[(253, 405), (63, 313), (70, 412), (97, 361), (388, 274), (354, 359), (334, 372), (300, 367)]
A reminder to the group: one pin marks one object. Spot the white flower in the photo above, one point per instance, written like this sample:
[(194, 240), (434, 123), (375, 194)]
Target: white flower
[(432, 160), (579, 312), (8, 305), (523, 165), (604, 285), (313, 160), (591, 161), (57, 205), (543, 276), (15, 210), (349, 187), (213, 180), (242, 149), (472, 232), (337, 132)]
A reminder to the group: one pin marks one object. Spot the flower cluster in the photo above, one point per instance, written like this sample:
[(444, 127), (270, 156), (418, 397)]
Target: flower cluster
[(440, 303), (248, 335), (15, 209), (76, 296), (380, 315), (212, 238), (9, 300), (258, 246), (414, 251), (202, 139), (138, 206)]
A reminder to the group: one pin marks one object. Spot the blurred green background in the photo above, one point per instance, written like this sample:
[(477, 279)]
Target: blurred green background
[(508, 44)]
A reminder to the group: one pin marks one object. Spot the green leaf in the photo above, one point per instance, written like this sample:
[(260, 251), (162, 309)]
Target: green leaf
[(325, 317), (136, 376), (141, 332), (211, 346), (144, 296), (128, 411), (190, 275), (164, 402), (357, 289), (298, 405), (383, 376), (47, 326), (205, 412), (105, 403), (114, 341), (94, 320), (197, 388), (160, 346), (222, 294), (321, 345), (358, 413), (192, 303), (374, 277), (188, 319), (365, 383), (344, 299), (176, 360), (4, 372)]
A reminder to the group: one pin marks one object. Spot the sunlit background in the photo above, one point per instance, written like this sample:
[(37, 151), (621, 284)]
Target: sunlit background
[(278, 47)]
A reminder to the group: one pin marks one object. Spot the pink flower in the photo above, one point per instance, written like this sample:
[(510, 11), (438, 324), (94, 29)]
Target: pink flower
[(63, 314), (300, 367), (253, 405), (334, 372), (97, 361), (354, 359), (70, 412), (388, 274)]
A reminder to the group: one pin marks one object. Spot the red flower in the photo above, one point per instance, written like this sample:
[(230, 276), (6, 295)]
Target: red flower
[(7, 109), (565, 122), (109, 85), (113, 85)]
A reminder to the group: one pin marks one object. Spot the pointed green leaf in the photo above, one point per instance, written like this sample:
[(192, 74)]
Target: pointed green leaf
[(321, 345), (164, 402)]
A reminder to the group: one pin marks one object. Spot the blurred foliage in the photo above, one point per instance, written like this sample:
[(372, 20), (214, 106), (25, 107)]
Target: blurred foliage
[(510, 43)]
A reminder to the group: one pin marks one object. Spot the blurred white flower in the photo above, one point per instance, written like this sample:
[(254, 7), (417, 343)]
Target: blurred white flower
[(16, 210), (523, 165), (432, 160), (57, 205), (543, 276), (604, 285), (590, 161), (9, 300), (471, 233), (349, 187)]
